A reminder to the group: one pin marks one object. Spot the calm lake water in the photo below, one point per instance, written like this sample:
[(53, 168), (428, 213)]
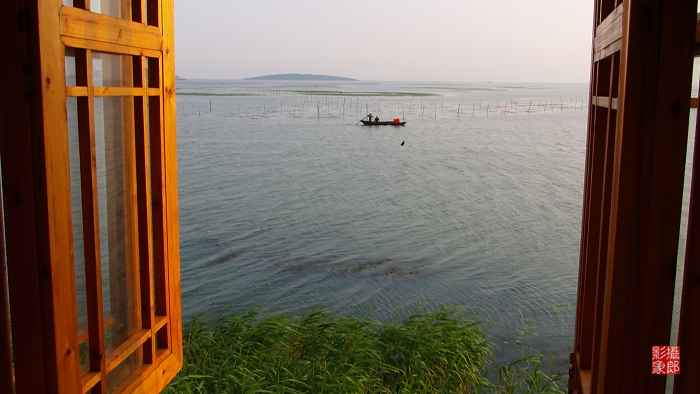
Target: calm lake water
[(286, 203)]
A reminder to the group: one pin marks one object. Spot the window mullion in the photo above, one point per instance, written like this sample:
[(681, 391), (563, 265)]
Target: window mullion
[(144, 206), (158, 190), (91, 227)]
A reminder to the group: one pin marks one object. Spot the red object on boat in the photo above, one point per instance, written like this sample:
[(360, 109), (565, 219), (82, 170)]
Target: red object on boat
[(397, 120)]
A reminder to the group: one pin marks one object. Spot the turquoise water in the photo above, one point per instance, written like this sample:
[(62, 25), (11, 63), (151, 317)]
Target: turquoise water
[(286, 203)]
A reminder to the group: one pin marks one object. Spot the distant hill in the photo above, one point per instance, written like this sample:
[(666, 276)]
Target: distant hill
[(178, 78), (300, 77)]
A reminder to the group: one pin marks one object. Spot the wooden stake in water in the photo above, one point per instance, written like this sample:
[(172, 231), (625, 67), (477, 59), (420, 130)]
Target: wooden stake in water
[(209, 105), (458, 107)]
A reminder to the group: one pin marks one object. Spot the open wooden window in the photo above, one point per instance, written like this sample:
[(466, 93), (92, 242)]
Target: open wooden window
[(88, 154), (641, 74)]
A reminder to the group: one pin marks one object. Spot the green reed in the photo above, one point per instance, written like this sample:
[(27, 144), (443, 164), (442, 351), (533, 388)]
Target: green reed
[(440, 351)]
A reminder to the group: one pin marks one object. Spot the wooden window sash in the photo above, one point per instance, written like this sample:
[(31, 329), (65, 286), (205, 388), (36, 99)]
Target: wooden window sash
[(152, 235)]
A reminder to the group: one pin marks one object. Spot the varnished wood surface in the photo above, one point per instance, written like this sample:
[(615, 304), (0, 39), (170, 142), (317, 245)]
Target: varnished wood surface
[(110, 91), (58, 289), (585, 381), (642, 185), (89, 380), (170, 148), (126, 349), (81, 24), (19, 208), (605, 102), (152, 378), (656, 65), (108, 47), (610, 30)]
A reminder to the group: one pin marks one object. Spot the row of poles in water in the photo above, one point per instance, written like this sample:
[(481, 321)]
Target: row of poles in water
[(301, 102)]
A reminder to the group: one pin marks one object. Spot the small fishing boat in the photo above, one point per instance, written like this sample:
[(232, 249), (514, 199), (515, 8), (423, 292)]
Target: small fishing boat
[(395, 122)]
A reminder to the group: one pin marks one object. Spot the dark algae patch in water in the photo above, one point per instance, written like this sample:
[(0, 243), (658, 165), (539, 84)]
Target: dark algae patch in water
[(431, 351), (366, 267)]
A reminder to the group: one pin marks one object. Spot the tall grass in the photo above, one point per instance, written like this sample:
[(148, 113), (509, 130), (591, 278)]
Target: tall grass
[(441, 351)]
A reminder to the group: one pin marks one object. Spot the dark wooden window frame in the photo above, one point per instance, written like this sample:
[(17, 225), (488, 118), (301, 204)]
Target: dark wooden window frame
[(633, 190)]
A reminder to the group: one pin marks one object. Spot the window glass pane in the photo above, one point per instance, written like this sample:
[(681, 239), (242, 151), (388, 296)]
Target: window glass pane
[(153, 72), (147, 148), (107, 7), (111, 70), (111, 180), (126, 368), (68, 2), (155, 175), (119, 282), (70, 67), (77, 213)]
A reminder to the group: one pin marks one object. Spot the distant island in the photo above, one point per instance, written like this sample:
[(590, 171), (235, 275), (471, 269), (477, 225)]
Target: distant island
[(300, 77), (178, 78)]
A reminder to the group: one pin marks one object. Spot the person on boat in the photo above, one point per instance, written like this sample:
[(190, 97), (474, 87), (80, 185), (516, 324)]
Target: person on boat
[(376, 120), (370, 116)]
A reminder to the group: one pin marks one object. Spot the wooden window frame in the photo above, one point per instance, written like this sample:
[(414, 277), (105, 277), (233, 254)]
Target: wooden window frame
[(633, 192), (37, 218)]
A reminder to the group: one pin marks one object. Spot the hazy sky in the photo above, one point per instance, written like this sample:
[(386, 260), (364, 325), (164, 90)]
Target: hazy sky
[(429, 40)]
